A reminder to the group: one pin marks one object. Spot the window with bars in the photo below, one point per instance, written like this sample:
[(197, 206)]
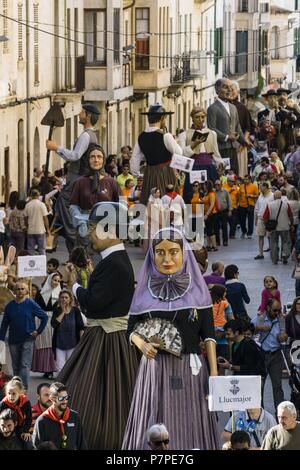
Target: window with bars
[(243, 6), (5, 25), (20, 31), (95, 36), (36, 43), (142, 23)]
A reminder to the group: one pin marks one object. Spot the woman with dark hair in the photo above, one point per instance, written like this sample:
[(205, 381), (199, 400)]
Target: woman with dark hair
[(292, 320), (67, 326), (170, 312), (12, 202), (210, 211), (17, 226), (78, 269), (90, 189), (194, 198)]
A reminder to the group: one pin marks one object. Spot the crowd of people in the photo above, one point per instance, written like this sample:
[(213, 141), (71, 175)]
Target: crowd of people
[(74, 328)]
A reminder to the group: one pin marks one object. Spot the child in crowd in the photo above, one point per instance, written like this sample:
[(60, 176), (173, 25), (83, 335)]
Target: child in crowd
[(16, 399), (270, 291), (237, 294), (78, 269), (222, 313)]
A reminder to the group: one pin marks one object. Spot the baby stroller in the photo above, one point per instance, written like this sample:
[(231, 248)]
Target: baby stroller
[(294, 380)]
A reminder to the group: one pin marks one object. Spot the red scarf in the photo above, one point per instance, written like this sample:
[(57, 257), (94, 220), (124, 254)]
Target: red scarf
[(17, 408), (172, 194), (61, 420)]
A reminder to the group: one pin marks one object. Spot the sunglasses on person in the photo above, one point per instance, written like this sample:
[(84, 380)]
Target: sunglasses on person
[(276, 310), (196, 185), (159, 443), (64, 398)]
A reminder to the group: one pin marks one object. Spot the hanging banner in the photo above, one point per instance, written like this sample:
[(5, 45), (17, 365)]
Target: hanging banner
[(32, 266), (234, 392)]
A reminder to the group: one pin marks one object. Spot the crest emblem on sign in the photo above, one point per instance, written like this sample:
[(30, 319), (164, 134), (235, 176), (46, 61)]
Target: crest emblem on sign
[(234, 388), (32, 263)]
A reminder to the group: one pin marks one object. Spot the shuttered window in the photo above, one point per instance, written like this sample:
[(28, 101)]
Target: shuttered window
[(5, 25), (36, 43), (20, 31)]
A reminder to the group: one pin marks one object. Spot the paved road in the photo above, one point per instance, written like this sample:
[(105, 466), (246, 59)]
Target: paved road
[(252, 272)]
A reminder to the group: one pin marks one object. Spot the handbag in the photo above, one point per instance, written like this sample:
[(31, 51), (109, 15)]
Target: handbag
[(296, 272), (162, 332), (271, 224)]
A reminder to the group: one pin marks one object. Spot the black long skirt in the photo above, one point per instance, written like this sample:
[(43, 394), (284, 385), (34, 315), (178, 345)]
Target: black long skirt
[(100, 376)]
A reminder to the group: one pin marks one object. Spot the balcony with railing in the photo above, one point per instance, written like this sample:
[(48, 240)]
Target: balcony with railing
[(180, 69), (69, 74)]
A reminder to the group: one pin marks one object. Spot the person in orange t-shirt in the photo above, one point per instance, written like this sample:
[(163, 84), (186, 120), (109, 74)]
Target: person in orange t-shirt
[(129, 183), (210, 211), (248, 195), (222, 313), (233, 191)]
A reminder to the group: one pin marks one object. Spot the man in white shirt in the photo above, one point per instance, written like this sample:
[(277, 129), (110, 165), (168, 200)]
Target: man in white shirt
[(37, 223), (265, 196), (174, 207)]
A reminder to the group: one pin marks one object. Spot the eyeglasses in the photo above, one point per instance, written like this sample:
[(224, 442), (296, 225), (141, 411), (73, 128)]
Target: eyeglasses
[(159, 443), (277, 310), (64, 398), (20, 288), (195, 185)]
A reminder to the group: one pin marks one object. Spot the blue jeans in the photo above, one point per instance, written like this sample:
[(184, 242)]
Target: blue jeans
[(21, 358), (39, 240)]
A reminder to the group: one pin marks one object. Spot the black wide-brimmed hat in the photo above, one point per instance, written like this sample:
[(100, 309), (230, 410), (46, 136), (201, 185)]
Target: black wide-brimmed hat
[(283, 90), (269, 93), (157, 110)]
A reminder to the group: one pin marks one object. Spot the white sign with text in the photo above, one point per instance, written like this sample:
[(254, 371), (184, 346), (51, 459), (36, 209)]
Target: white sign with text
[(226, 163), (199, 176), (234, 392), (182, 163), (32, 266)]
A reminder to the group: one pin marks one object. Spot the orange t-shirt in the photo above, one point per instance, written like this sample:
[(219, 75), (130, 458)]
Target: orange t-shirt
[(126, 192), (233, 192), (252, 190), (208, 198), (219, 313), (195, 201)]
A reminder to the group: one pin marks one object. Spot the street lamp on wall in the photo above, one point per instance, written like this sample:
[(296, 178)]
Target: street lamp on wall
[(3, 38)]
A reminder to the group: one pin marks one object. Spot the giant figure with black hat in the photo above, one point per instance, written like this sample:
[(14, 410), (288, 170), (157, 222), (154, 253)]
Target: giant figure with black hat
[(269, 122), (156, 147), (102, 369), (77, 165), (290, 119)]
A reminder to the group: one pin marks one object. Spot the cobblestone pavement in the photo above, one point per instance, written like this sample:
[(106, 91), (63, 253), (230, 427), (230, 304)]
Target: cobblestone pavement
[(239, 252)]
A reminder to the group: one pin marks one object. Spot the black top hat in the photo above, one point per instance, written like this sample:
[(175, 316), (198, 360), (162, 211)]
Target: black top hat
[(91, 108), (269, 93), (283, 90), (157, 110)]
